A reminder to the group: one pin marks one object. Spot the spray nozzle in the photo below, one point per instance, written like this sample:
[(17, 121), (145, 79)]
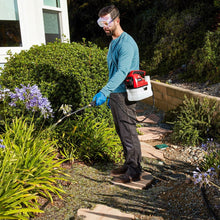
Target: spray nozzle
[(92, 104)]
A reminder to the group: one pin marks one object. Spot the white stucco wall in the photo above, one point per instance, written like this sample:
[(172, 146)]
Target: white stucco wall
[(32, 24)]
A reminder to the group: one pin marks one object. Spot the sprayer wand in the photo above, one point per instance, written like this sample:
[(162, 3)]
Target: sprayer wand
[(91, 104)]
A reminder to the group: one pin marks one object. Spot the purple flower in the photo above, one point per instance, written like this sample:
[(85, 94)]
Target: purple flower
[(203, 178), (1, 145), (204, 147), (33, 100)]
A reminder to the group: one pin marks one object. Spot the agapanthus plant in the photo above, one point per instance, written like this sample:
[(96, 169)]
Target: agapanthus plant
[(210, 165), (1, 144), (205, 178), (32, 99)]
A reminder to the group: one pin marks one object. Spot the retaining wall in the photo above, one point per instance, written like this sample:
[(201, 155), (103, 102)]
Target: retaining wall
[(168, 97)]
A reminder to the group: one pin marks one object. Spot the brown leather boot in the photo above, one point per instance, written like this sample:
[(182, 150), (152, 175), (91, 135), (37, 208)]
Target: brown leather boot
[(119, 170), (126, 179)]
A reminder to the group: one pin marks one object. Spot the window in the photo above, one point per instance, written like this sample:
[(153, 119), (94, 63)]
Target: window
[(53, 3), (51, 25), (10, 34)]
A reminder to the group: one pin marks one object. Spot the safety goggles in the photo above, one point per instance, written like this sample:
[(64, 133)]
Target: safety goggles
[(105, 22)]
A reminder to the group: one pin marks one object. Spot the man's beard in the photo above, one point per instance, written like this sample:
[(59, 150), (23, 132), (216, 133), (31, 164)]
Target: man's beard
[(110, 32)]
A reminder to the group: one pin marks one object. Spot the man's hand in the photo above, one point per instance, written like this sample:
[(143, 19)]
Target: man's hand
[(99, 98)]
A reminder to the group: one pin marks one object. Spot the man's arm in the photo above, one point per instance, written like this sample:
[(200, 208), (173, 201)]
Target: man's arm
[(126, 53)]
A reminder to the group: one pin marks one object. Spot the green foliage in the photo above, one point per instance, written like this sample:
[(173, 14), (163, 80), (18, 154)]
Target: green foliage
[(194, 121), (205, 63), (89, 139), (65, 73), (217, 3), (171, 33), (215, 130), (28, 168)]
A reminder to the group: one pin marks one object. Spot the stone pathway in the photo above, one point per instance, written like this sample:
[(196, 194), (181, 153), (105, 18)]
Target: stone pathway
[(148, 133)]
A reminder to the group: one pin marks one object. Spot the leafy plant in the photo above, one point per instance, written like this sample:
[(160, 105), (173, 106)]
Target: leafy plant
[(90, 140), (195, 119), (65, 73), (204, 65), (28, 168)]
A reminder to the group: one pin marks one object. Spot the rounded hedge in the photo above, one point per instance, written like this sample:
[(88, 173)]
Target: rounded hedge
[(66, 73)]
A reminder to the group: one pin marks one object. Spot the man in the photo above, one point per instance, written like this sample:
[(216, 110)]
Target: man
[(123, 56)]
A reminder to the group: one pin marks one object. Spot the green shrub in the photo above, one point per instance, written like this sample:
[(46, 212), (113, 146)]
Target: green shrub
[(65, 73), (28, 168), (89, 140), (205, 62), (173, 43), (194, 121), (176, 33)]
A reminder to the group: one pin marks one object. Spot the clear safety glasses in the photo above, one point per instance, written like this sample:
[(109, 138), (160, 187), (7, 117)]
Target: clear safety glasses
[(106, 22)]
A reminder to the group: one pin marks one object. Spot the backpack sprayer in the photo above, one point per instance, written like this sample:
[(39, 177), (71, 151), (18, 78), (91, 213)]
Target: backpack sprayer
[(138, 85)]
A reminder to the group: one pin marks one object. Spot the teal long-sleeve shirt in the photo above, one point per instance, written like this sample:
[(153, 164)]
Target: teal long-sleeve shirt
[(123, 57)]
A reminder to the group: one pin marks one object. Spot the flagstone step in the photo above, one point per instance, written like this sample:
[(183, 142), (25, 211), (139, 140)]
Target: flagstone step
[(152, 133), (103, 212), (150, 151), (149, 119)]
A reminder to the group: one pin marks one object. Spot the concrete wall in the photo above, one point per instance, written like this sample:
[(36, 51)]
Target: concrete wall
[(168, 97)]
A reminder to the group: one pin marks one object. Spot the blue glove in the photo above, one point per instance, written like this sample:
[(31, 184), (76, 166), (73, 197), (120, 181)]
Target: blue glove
[(99, 98)]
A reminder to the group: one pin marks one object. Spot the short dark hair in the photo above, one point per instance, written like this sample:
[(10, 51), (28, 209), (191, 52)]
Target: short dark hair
[(111, 9)]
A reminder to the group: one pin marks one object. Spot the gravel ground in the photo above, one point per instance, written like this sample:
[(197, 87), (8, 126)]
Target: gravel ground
[(205, 88), (185, 196), (213, 90)]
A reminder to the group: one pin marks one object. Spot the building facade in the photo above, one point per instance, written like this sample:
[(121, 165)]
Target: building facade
[(24, 23)]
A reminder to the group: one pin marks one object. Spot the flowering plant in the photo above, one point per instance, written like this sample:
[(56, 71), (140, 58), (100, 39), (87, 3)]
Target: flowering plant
[(205, 178), (32, 98), (29, 102), (210, 164), (212, 156)]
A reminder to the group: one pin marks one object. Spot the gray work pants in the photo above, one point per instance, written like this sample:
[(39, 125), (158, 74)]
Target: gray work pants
[(126, 129)]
